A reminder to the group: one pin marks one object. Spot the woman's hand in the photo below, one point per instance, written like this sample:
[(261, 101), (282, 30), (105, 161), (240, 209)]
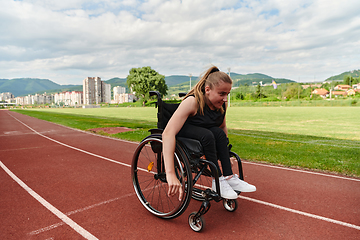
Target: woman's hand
[(174, 185)]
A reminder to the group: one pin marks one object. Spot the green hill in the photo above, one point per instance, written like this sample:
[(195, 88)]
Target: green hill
[(239, 79), (178, 79), (249, 76), (176, 83), (255, 81), (113, 82), (62, 88), (24, 86), (354, 74)]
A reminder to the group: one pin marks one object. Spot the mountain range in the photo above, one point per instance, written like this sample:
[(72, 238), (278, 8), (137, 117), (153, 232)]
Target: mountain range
[(25, 86)]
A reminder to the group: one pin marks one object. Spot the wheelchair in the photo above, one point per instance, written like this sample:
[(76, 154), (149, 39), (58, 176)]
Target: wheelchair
[(192, 169)]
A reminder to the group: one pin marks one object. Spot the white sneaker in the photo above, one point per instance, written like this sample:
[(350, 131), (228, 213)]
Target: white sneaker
[(225, 189), (239, 185)]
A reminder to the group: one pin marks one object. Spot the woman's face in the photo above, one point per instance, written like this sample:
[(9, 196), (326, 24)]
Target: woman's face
[(216, 96)]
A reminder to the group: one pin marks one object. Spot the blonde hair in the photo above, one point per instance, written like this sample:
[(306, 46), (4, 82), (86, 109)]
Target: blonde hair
[(212, 77)]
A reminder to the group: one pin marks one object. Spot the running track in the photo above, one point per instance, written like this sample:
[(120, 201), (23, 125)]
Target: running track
[(61, 183)]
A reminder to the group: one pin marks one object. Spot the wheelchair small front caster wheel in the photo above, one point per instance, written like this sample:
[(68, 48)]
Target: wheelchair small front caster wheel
[(196, 224), (230, 204)]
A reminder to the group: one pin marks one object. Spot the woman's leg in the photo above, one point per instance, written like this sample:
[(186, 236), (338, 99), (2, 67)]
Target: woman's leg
[(207, 140), (223, 154), (214, 144), (222, 150)]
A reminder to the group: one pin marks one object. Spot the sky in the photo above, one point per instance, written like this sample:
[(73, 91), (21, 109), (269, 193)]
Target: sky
[(68, 40)]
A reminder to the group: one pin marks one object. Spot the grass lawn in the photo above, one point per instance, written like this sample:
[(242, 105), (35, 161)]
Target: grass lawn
[(321, 138), (334, 122)]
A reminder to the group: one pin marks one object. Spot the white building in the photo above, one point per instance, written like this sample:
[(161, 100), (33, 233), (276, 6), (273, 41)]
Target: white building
[(119, 90), (73, 98), (120, 95), (6, 96), (106, 88), (34, 99), (124, 97), (356, 86), (76, 98), (96, 91)]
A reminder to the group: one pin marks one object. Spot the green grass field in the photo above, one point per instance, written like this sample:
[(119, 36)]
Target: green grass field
[(319, 138), (335, 122)]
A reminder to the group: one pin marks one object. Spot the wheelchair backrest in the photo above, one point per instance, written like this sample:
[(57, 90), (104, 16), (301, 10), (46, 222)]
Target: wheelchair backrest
[(165, 110)]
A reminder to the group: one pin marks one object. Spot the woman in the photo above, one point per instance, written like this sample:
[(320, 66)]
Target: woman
[(201, 116)]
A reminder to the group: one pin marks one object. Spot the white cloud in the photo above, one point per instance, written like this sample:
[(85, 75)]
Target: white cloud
[(67, 41)]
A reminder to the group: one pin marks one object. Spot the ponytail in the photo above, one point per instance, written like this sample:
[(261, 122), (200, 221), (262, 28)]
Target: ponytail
[(213, 76)]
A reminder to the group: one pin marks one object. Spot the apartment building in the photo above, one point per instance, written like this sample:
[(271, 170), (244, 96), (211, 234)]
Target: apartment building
[(106, 92), (67, 98), (96, 91), (120, 95), (34, 99), (6, 96), (119, 90)]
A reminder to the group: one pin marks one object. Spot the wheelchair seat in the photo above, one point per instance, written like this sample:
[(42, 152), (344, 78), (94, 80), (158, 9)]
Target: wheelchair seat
[(193, 146)]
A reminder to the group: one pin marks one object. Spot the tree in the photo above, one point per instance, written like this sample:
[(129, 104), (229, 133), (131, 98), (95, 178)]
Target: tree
[(292, 91), (142, 80), (258, 94), (239, 95), (349, 80)]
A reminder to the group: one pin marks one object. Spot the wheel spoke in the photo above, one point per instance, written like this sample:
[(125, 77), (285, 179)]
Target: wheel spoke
[(149, 179)]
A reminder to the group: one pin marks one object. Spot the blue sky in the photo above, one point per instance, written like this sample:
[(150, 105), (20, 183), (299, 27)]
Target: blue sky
[(68, 40)]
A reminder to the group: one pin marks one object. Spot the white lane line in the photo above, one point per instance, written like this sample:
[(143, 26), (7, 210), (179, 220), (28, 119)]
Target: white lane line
[(41, 230), (50, 207), (303, 171), (302, 213), (66, 145), (250, 199)]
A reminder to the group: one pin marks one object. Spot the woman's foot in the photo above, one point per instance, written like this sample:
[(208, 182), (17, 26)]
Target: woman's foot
[(239, 185), (226, 190)]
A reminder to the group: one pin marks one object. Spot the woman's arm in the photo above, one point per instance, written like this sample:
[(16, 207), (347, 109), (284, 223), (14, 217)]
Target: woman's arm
[(223, 125), (188, 107)]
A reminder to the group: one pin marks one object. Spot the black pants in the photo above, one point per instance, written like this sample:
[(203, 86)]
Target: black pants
[(214, 142)]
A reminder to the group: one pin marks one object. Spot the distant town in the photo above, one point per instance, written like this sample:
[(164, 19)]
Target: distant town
[(95, 91)]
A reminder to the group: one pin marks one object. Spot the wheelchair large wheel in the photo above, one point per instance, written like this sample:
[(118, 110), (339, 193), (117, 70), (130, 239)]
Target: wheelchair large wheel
[(149, 178)]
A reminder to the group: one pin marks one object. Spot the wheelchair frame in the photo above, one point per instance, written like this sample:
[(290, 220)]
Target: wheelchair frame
[(193, 171)]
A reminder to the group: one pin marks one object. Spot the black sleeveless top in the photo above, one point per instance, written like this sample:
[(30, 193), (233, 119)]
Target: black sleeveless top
[(211, 118)]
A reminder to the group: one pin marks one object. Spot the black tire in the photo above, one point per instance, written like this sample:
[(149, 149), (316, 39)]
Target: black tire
[(230, 204), (196, 224), (149, 178)]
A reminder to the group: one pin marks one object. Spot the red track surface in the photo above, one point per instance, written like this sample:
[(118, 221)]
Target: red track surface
[(78, 174)]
